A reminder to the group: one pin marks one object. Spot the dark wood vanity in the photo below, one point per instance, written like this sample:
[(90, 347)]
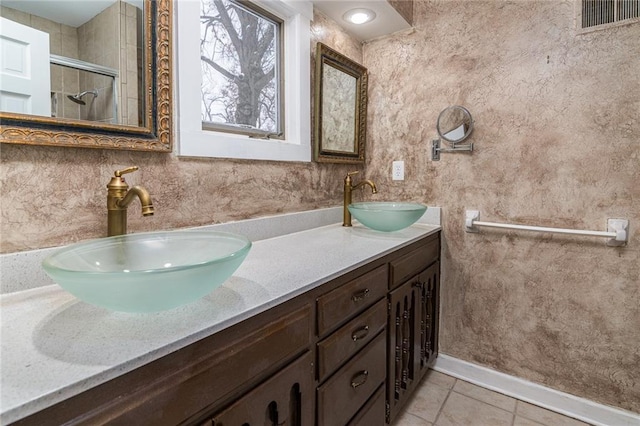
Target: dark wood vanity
[(349, 352)]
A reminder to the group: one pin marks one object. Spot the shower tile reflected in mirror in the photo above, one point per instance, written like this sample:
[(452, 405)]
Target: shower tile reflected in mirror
[(84, 95), (100, 107)]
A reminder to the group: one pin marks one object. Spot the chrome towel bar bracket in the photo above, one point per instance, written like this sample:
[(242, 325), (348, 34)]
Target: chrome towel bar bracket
[(617, 229)]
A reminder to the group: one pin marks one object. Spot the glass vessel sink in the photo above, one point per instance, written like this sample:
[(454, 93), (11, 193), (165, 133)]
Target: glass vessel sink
[(147, 272), (387, 216)]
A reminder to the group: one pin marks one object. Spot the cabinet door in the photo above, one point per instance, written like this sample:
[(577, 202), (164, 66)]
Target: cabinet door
[(430, 295), (404, 335), (413, 335), (285, 399)]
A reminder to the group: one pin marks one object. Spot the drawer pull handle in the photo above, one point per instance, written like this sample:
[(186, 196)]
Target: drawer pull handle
[(360, 295), (362, 375), (360, 333)]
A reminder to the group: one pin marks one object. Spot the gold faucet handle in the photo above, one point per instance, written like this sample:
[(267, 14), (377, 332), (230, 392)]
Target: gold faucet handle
[(347, 179), (131, 169)]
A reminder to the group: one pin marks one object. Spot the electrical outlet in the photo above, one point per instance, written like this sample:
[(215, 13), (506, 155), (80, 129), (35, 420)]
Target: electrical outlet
[(397, 170)]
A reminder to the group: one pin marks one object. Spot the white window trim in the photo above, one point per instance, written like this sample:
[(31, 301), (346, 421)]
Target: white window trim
[(195, 142), (586, 30)]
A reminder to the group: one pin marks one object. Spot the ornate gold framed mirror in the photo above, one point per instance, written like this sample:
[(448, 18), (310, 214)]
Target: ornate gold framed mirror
[(124, 104), (340, 108)]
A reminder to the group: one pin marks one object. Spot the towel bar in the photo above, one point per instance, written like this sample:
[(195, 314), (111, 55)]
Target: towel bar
[(617, 229)]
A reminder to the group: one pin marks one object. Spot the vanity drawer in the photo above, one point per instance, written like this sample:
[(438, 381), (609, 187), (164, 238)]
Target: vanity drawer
[(344, 302), (340, 397), (413, 262), (350, 338), (373, 413)]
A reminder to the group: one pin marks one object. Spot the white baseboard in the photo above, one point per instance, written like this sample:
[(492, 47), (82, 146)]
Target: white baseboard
[(560, 402)]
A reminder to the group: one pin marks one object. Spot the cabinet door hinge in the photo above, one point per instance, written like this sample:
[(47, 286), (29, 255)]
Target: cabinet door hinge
[(387, 412)]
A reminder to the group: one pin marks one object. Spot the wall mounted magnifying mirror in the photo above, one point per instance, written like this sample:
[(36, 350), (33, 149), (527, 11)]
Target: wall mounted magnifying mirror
[(454, 125), (86, 74), (340, 108)]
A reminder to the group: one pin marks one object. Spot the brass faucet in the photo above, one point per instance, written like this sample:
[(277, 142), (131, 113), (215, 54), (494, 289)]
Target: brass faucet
[(348, 187), (119, 196)]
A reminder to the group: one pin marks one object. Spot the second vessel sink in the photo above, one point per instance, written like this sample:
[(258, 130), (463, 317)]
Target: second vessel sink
[(147, 272), (387, 216)]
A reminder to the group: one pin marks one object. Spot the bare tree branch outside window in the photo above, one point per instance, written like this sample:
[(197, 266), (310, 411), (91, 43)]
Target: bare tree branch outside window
[(239, 52)]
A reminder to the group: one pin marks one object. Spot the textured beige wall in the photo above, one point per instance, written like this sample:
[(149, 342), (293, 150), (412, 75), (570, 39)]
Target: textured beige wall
[(52, 196), (557, 143)]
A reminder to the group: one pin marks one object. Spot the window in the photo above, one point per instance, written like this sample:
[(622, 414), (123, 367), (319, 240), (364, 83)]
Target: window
[(233, 59), (240, 53), (597, 14)]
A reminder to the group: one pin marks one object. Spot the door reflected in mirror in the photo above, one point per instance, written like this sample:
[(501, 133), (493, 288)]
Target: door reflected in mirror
[(74, 60), (340, 108)]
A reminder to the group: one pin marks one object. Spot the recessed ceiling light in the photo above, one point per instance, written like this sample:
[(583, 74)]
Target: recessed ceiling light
[(359, 16)]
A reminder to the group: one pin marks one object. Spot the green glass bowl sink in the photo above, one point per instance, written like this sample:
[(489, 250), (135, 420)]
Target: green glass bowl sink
[(387, 216), (147, 272)]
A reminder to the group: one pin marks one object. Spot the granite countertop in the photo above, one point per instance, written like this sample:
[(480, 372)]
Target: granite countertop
[(55, 346)]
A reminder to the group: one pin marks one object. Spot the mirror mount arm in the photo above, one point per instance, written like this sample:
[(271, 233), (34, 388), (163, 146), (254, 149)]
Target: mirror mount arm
[(436, 149)]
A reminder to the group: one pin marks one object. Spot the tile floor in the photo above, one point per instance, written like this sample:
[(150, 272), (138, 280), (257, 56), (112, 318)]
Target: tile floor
[(446, 401)]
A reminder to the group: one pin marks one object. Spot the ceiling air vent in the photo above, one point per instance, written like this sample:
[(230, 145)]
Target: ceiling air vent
[(596, 13)]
